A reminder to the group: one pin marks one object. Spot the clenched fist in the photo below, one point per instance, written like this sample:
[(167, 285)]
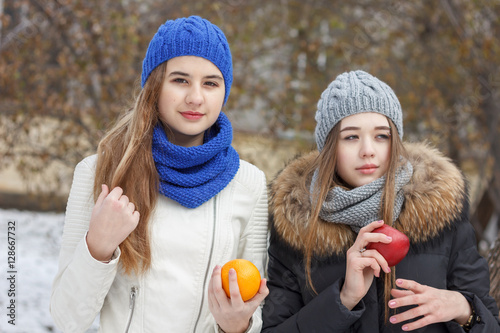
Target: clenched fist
[(113, 218)]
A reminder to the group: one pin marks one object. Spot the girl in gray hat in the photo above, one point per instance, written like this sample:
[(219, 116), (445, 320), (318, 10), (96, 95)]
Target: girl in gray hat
[(326, 205)]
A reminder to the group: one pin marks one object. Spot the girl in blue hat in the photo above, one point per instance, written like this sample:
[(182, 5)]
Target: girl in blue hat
[(164, 202)]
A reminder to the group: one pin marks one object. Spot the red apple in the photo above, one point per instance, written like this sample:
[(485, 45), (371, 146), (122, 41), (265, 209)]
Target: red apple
[(396, 250)]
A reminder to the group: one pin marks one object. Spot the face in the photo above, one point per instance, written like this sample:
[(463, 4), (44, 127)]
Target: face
[(191, 99), (364, 148)]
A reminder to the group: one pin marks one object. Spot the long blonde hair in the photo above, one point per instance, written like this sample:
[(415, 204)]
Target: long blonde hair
[(125, 159), (326, 164)]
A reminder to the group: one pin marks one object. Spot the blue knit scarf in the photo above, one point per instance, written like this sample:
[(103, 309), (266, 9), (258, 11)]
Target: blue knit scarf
[(193, 175)]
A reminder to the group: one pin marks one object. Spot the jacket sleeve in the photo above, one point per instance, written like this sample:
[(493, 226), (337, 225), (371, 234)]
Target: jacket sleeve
[(254, 238), (468, 274), (284, 309), (81, 283)]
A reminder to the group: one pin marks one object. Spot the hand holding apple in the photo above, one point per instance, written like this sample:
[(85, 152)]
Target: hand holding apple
[(396, 250)]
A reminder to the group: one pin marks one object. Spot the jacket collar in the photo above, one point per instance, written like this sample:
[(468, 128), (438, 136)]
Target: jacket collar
[(434, 198)]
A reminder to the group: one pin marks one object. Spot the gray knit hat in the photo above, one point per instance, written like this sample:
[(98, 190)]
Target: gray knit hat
[(351, 93)]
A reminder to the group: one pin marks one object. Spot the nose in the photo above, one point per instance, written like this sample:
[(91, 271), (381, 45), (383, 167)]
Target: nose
[(194, 95), (367, 149)]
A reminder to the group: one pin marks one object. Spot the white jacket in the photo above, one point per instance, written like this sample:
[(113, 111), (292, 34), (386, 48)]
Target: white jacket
[(186, 245)]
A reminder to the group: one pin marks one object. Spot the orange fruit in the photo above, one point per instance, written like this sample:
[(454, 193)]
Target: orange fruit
[(248, 277)]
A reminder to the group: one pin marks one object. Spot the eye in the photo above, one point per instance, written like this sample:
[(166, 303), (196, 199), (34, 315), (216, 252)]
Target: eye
[(385, 136), (211, 84), (179, 80), (350, 137)]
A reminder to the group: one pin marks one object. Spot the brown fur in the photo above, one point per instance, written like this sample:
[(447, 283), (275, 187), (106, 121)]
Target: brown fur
[(433, 199)]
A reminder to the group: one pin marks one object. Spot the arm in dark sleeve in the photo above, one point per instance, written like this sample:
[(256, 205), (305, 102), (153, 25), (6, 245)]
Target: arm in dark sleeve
[(285, 311), (468, 274)]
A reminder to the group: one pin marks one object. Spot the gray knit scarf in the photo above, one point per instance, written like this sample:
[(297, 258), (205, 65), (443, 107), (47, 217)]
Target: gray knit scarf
[(361, 206)]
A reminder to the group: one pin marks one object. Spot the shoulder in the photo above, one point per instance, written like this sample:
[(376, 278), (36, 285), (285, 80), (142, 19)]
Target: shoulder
[(436, 195), (288, 193), (290, 208), (88, 162), (250, 177), (85, 170)]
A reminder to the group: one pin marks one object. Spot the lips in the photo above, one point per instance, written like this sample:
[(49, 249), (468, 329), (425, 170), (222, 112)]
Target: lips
[(192, 115), (367, 169)]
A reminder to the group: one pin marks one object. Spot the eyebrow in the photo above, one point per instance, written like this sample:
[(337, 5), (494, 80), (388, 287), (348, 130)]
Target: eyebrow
[(211, 77), (354, 128)]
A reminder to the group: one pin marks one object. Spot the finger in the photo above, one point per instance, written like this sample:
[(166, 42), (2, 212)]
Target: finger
[(124, 201), (375, 237), (210, 291), (216, 286), (102, 195), (410, 285), (375, 267), (422, 322), (371, 263), (378, 257), (407, 300), (136, 217), (372, 226), (366, 236), (413, 313), (131, 207), (234, 289), (398, 293), (116, 193), (261, 293), (263, 287)]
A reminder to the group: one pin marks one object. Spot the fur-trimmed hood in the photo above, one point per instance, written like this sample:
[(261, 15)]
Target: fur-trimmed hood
[(434, 198)]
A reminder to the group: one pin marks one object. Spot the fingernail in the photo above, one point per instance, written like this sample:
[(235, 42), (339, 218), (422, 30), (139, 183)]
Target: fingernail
[(404, 328), (399, 282), (392, 320), (389, 237), (380, 221), (388, 270), (391, 304)]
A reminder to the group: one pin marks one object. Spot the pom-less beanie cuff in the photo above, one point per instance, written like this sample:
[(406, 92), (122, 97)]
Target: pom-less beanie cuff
[(191, 36), (352, 93)]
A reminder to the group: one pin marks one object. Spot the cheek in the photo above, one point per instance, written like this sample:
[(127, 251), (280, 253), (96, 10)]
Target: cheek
[(343, 158), (386, 153), (166, 101), (217, 100), (385, 156)]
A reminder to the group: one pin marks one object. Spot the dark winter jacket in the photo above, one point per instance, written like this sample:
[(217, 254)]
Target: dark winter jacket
[(443, 254)]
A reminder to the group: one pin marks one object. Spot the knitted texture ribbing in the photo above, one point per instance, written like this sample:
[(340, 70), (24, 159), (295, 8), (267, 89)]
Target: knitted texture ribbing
[(360, 206), (193, 175), (192, 36), (351, 93)]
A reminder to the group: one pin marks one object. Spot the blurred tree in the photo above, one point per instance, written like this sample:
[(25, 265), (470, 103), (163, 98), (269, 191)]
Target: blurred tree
[(68, 67), (494, 260), (62, 77)]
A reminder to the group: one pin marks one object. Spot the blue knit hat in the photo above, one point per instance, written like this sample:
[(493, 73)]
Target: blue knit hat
[(191, 36), (351, 93)]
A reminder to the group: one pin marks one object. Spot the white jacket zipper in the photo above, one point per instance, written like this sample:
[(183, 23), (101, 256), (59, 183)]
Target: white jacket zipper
[(133, 294), (207, 272)]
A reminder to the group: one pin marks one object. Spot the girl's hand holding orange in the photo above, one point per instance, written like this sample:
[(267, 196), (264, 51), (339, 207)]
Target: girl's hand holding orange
[(235, 291)]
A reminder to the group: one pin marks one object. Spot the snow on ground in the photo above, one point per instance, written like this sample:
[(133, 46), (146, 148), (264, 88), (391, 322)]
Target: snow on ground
[(37, 238)]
